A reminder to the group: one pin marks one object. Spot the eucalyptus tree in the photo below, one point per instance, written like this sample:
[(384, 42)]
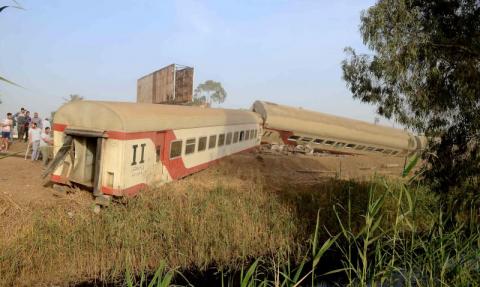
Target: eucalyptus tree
[(423, 70), (209, 92)]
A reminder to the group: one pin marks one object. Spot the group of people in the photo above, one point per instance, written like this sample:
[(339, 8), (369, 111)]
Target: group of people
[(34, 130)]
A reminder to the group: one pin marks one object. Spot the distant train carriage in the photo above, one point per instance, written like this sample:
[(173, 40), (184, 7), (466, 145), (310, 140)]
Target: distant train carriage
[(118, 148), (297, 126)]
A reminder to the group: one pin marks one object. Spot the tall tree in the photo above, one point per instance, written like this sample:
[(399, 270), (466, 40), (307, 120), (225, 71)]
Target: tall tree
[(424, 72), (209, 92)]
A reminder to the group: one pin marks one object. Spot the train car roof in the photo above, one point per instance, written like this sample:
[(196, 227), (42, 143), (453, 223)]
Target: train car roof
[(318, 124), (133, 117)]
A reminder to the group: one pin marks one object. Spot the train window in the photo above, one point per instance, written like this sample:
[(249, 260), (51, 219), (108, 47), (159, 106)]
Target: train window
[(202, 143), (306, 139), (158, 152), (221, 139), (229, 138), (360, 147), (379, 149), (340, 144), (293, 138), (247, 135), (175, 149), (251, 134), (370, 148), (212, 141), (387, 151), (241, 138), (350, 146), (329, 142), (235, 137), (190, 146), (394, 152), (255, 133), (318, 141)]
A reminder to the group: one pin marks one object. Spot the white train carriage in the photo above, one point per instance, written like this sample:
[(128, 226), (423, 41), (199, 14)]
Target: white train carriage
[(118, 148), (296, 126)]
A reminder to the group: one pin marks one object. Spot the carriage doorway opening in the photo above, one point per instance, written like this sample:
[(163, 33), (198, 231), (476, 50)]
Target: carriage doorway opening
[(86, 155)]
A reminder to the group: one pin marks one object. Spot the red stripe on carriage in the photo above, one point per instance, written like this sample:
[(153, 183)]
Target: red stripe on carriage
[(130, 191), (58, 179), (59, 127), (131, 136)]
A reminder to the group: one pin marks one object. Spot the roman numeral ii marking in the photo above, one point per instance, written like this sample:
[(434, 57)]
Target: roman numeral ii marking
[(142, 155)]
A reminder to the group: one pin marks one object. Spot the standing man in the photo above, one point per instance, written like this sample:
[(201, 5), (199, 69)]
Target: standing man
[(34, 140), (46, 143), (21, 119), (37, 120), (6, 126), (28, 119), (46, 124), (12, 129)]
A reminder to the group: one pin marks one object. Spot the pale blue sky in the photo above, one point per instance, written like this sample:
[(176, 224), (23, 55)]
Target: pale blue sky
[(282, 51)]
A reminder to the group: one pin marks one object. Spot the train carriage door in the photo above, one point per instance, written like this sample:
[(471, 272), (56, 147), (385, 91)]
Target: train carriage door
[(87, 155), (159, 150)]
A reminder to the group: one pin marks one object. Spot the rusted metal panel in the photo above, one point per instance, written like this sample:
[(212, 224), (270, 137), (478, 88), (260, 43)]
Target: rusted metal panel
[(163, 85), (172, 84), (184, 85), (144, 89)]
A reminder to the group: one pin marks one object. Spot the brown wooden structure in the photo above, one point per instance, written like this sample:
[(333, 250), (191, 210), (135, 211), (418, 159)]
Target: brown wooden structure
[(172, 84)]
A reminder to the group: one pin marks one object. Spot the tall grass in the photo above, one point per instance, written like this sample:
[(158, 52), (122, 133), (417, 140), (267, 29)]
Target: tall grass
[(407, 251), (413, 249), (190, 225), (251, 233)]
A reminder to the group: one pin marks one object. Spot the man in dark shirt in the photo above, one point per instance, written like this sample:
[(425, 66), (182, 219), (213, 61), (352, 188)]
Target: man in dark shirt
[(28, 120), (21, 120), (37, 120)]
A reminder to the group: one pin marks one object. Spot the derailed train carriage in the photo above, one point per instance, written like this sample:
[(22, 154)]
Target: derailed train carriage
[(286, 125), (118, 148)]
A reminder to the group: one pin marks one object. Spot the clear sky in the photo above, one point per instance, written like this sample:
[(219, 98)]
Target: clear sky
[(282, 51)]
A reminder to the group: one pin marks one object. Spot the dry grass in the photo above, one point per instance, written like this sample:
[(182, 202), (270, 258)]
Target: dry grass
[(221, 217)]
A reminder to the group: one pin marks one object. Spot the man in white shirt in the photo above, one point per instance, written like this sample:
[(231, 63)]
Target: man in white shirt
[(46, 145), (34, 137), (46, 124)]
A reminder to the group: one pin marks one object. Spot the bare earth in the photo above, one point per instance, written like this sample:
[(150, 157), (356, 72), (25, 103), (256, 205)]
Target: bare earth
[(20, 180), (22, 186)]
